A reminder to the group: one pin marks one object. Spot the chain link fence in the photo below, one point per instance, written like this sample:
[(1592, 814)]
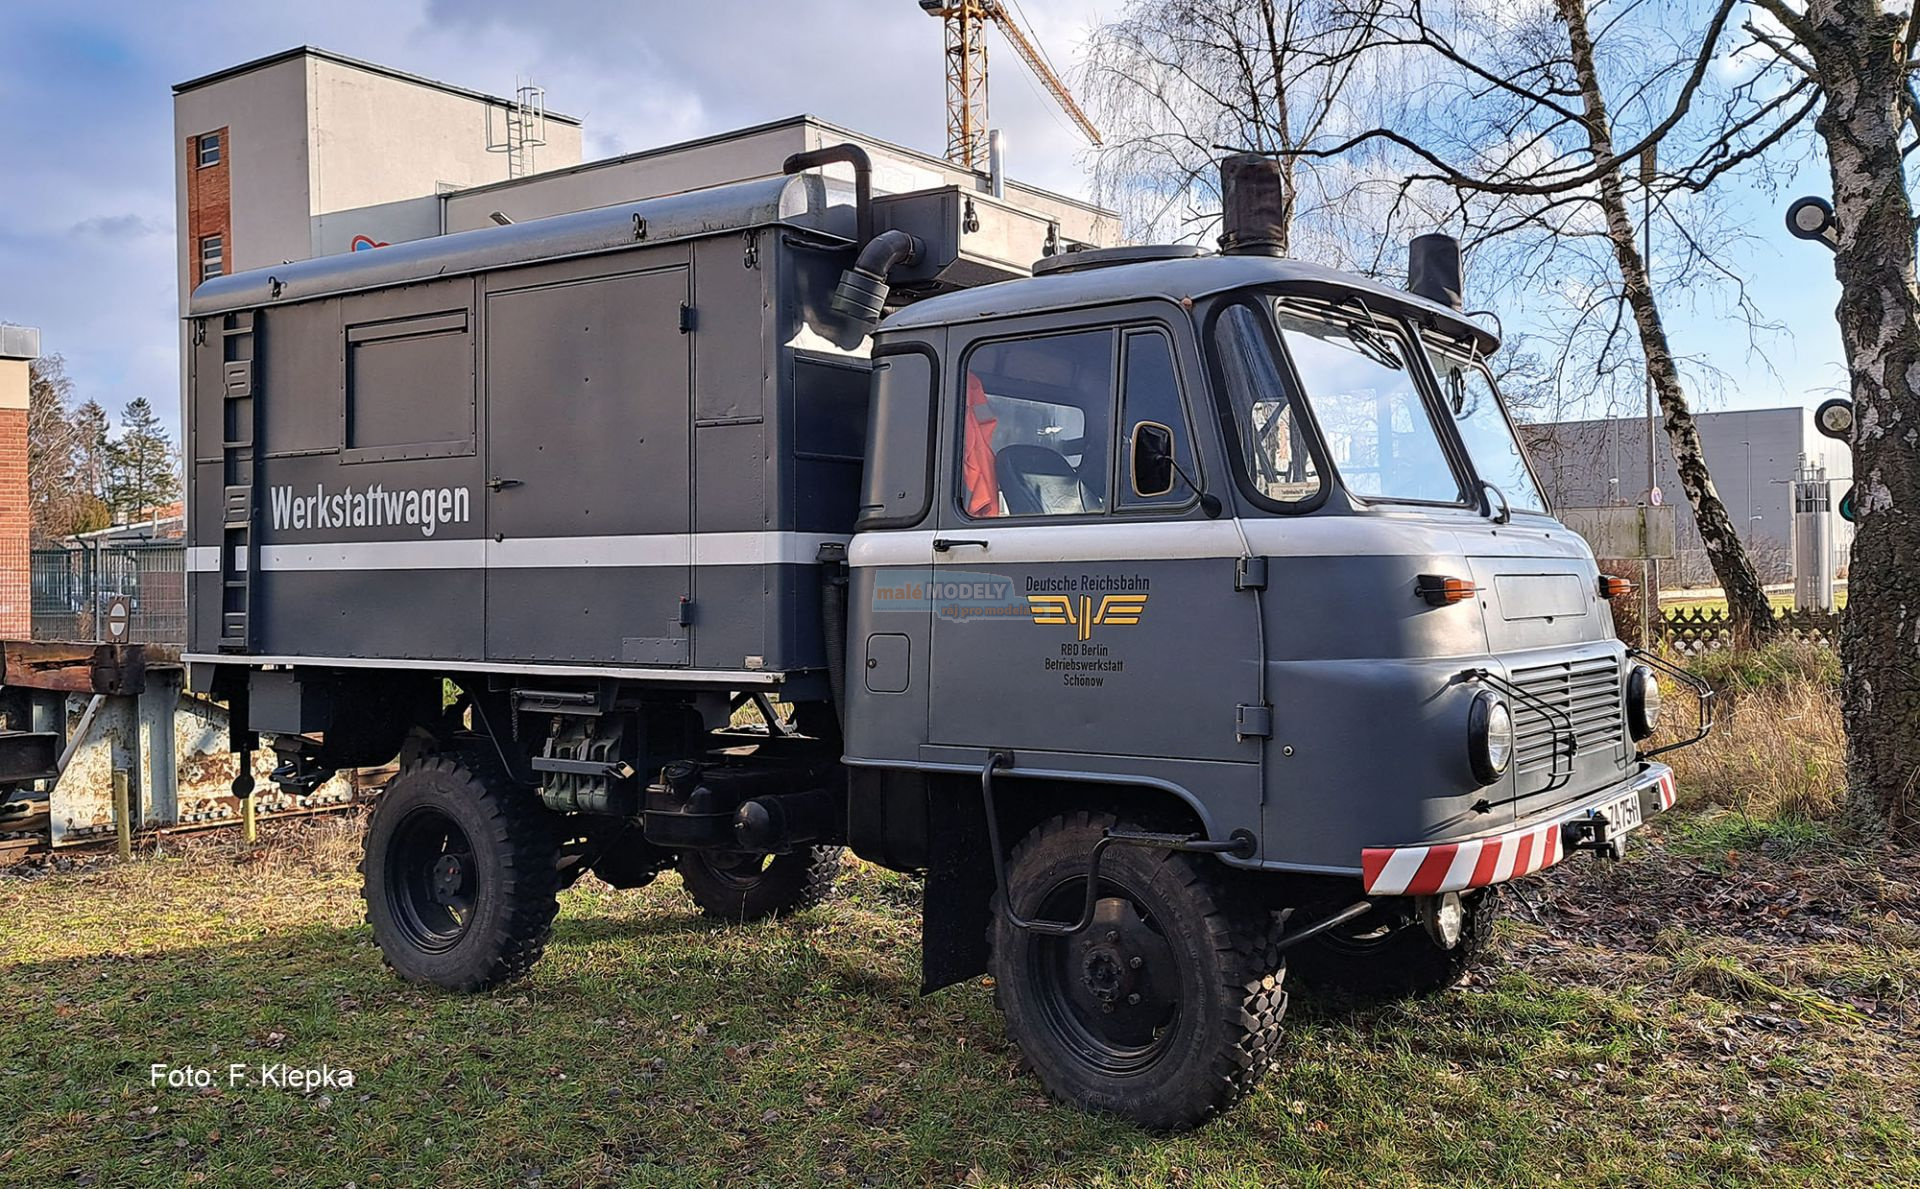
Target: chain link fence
[(73, 586)]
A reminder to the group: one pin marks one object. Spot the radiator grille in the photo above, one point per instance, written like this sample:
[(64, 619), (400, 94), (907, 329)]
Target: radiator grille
[(1587, 691)]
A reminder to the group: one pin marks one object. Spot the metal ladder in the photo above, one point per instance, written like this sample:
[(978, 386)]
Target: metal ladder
[(240, 425)]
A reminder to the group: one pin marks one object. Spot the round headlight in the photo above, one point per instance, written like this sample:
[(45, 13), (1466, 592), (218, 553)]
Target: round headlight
[(1489, 736), (1643, 701)]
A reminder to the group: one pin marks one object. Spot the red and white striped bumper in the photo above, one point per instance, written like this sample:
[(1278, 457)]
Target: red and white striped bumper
[(1477, 862)]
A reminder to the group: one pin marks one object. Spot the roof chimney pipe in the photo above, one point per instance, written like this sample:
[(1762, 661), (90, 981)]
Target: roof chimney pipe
[(1254, 206), (1434, 270)]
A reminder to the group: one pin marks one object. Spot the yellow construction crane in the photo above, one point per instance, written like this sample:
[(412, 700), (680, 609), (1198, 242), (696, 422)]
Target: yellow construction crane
[(966, 22)]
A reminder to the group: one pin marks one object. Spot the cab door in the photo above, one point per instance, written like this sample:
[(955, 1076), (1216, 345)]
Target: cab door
[(1072, 611)]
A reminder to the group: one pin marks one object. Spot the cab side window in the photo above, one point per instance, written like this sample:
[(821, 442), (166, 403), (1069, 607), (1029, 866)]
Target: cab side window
[(1036, 423), (1151, 397)]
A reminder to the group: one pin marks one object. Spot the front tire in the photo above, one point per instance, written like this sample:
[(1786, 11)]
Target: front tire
[(1167, 1010), (733, 886), (459, 874), (1376, 962)]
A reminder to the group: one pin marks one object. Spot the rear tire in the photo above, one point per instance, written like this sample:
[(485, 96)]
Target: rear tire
[(1167, 1010), (1402, 963), (747, 887), (459, 874)]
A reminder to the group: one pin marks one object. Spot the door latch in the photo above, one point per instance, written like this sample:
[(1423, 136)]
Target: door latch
[(501, 484)]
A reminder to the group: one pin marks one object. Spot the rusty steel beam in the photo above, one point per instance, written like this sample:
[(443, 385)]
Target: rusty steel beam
[(74, 668)]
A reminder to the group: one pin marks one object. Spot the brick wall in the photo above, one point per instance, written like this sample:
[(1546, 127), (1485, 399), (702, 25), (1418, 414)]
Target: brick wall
[(16, 591), (209, 204)]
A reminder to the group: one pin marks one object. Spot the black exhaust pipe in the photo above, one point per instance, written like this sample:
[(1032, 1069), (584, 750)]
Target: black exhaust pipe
[(1253, 199), (1435, 272)]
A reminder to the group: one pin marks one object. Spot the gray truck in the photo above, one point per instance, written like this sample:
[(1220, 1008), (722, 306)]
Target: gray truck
[(1182, 617)]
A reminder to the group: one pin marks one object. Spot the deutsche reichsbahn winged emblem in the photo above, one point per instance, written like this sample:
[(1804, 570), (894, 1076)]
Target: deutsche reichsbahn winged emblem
[(1116, 610)]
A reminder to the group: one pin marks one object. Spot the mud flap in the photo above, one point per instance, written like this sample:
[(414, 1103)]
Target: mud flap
[(959, 892)]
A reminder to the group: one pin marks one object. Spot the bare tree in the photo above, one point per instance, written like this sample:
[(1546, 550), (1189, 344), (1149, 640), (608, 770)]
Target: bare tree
[(1529, 146), (1172, 80)]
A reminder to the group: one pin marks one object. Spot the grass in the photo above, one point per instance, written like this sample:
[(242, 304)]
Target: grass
[(652, 1047), (1734, 1004), (1778, 751)]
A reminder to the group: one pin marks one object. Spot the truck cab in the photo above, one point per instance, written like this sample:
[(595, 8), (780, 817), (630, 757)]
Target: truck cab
[(1241, 530)]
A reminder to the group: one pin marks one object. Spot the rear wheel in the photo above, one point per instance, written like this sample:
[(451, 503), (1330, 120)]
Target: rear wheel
[(1168, 1009), (459, 874), (737, 886), (1377, 961)]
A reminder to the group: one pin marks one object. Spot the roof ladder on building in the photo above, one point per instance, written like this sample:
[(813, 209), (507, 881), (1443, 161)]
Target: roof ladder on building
[(526, 128), (239, 548)]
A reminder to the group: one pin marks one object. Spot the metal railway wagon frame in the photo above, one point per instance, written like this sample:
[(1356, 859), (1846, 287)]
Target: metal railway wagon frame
[(1184, 617)]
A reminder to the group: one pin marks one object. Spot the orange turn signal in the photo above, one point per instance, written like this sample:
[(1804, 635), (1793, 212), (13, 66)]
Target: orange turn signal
[(1612, 587), (1440, 590)]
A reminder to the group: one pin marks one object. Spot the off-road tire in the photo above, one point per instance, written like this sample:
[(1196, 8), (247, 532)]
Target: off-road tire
[(785, 884), (1404, 964), (1224, 1029), (513, 873)]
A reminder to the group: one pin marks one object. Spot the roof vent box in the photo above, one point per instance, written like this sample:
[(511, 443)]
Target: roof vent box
[(967, 239)]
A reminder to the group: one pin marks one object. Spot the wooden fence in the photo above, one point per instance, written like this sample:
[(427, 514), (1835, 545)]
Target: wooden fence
[(1694, 630)]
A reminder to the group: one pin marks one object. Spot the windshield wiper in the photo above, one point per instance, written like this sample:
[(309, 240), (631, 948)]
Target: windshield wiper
[(1370, 343)]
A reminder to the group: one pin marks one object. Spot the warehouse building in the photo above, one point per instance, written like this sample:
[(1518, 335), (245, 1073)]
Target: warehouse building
[(1754, 456)]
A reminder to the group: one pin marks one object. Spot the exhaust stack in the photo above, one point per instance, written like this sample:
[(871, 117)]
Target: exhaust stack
[(1254, 206), (1434, 270)]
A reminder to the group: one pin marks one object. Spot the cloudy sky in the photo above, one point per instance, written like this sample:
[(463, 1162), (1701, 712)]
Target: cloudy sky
[(86, 194)]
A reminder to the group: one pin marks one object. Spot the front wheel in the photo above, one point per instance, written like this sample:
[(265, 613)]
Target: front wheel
[(735, 886), (1167, 1010), (459, 874)]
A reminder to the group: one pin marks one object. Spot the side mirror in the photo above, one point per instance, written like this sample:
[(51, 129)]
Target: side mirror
[(1152, 468)]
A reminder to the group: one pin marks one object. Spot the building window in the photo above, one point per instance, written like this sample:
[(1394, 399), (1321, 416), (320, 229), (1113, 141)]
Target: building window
[(213, 258), (209, 149)]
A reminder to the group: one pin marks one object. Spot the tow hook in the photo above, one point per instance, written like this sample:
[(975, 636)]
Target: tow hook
[(1594, 833)]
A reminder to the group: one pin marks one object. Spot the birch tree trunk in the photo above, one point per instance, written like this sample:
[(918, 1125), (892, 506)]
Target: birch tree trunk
[(1857, 52), (1747, 604)]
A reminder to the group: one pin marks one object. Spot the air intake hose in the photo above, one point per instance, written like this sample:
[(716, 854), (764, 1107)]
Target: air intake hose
[(862, 292)]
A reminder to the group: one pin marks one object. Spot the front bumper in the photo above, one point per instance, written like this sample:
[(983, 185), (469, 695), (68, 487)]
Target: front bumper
[(1524, 849)]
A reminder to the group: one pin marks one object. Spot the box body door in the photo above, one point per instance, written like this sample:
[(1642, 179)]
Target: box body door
[(589, 505)]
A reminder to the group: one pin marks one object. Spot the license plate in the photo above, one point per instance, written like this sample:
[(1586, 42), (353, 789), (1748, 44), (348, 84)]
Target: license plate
[(1622, 814)]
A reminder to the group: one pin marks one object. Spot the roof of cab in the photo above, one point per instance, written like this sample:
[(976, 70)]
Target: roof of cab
[(801, 200), (1175, 280)]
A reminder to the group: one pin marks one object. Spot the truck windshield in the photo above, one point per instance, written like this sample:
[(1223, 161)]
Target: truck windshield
[(1481, 418), (1363, 394)]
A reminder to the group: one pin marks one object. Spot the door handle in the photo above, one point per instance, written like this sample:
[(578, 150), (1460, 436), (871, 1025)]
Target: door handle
[(501, 484), (942, 544)]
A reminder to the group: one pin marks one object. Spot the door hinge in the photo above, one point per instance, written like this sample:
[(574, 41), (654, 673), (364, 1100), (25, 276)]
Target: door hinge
[(1252, 722), (1250, 574), (688, 318), (200, 333)]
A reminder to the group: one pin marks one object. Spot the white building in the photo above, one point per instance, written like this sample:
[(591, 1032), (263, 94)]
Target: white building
[(307, 153)]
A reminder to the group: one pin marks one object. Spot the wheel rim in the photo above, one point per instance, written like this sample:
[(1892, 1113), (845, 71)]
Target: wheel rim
[(433, 880), (1110, 995), (736, 869)]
